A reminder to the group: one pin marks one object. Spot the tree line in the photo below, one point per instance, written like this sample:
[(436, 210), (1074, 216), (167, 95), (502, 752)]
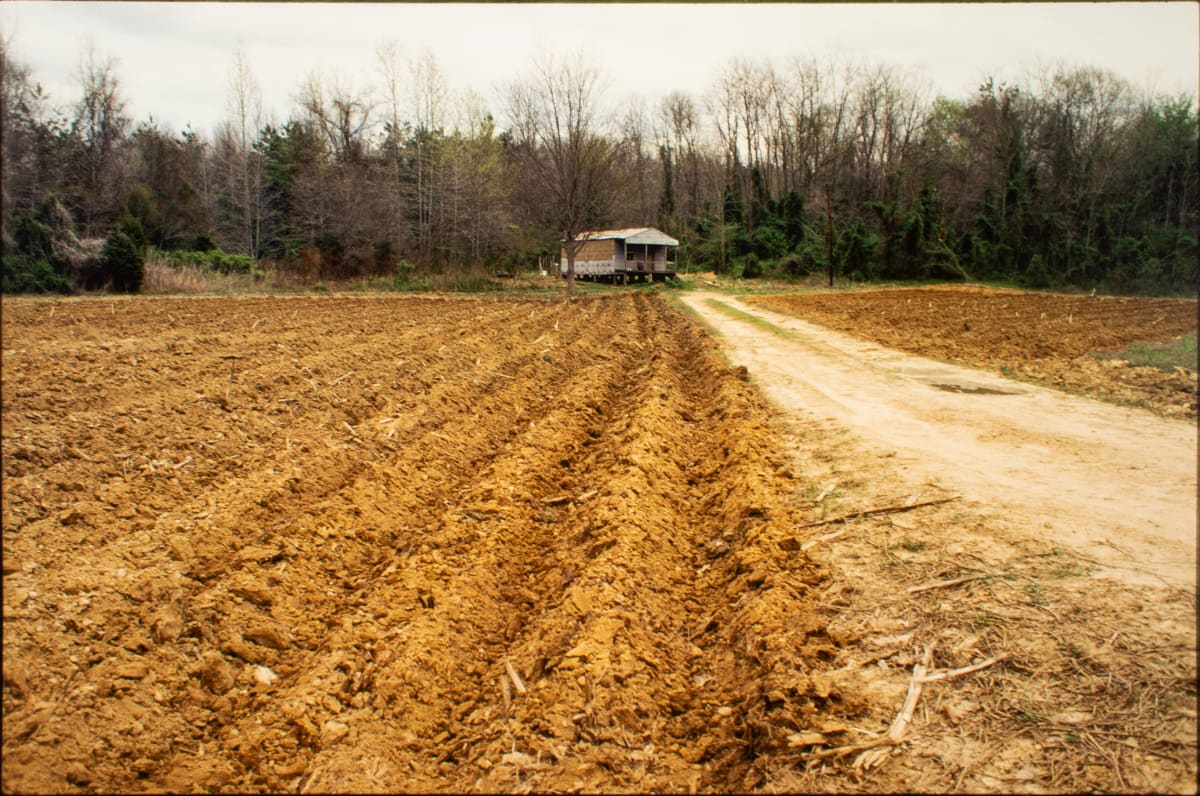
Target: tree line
[(785, 169)]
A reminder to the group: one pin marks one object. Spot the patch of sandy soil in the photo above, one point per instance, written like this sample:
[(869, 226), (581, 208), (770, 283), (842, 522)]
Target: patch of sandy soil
[(1117, 483)]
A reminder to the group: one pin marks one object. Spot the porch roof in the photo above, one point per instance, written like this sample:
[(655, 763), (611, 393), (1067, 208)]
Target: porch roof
[(639, 235)]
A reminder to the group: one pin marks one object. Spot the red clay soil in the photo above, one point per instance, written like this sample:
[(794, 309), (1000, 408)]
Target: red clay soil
[(394, 543)]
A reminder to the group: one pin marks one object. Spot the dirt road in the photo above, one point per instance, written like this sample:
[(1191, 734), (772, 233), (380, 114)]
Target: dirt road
[(1118, 484)]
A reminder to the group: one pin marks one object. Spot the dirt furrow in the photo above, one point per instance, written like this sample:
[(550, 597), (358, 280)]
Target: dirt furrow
[(431, 545), (400, 544), (485, 563), (395, 507), (261, 485)]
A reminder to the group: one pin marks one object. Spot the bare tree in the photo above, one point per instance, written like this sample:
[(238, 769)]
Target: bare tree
[(558, 132), (391, 74), (342, 114), (1081, 112), (21, 114), (101, 124), (429, 95), (680, 117), (635, 126), (245, 108)]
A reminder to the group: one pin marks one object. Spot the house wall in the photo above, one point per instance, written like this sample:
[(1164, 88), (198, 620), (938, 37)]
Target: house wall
[(605, 257), (592, 250)]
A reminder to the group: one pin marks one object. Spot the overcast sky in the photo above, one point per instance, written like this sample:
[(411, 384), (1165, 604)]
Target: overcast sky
[(173, 59)]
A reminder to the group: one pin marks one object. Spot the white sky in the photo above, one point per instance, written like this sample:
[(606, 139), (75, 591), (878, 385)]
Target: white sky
[(173, 59)]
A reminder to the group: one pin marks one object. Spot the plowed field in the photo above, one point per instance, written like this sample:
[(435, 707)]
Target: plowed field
[(1069, 342), (381, 543)]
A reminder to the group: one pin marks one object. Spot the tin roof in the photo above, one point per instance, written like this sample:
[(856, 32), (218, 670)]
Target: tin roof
[(632, 235)]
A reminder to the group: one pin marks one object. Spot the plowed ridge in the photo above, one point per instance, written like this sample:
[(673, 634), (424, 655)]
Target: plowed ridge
[(379, 543)]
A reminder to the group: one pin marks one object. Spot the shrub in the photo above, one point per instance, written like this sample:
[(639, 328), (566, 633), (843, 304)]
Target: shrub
[(33, 238), (226, 263), (812, 256), (333, 255), (29, 275), (403, 278), (751, 267), (122, 263), (790, 265), (80, 261), (384, 256), (132, 229), (404, 270), (213, 260), (769, 243), (204, 243)]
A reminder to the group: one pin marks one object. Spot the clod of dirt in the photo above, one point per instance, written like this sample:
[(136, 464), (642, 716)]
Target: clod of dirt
[(132, 671), (168, 624), (216, 674), (268, 636), (78, 774), (332, 732)]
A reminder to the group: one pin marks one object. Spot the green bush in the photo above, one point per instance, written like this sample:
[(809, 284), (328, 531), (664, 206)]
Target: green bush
[(132, 229), (29, 275), (790, 265), (751, 266), (769, 243), (34, 239), (122, 263), (231, 263), (204, 243), (212, 260)]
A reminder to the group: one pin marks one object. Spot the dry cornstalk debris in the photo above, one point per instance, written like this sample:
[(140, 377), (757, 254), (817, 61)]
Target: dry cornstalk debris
[(881, 510), (828, 488), (505, 691), (895, 734), (829, 537), (949, 674), (942, 584), (870, 751), (516, 678)]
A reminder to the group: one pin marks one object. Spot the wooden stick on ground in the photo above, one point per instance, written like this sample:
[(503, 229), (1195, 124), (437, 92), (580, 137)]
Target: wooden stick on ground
[(952, 673), (828, 488), (829, 537), (504, 691), (895, 733), (882, 510), (871, 753), (516, 678), (941, 584)]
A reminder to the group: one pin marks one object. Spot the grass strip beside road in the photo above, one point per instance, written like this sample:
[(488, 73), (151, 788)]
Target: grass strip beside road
[(1178, 352)]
